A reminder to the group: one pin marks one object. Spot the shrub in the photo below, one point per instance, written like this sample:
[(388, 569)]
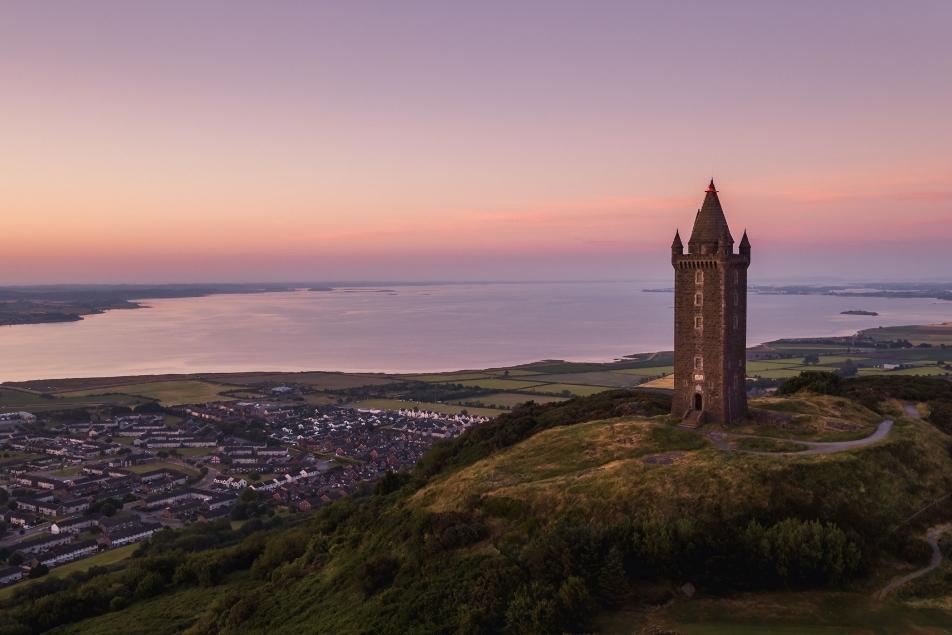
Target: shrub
[(376, 574), (815, 381), (940, 414)]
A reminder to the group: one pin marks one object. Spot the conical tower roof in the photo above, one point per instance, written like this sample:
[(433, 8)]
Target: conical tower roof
[(710, 226)]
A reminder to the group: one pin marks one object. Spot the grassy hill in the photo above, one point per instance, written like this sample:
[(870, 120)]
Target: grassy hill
[(584, 514)]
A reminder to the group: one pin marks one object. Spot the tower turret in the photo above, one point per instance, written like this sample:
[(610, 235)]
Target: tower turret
[(744, 247), (677, 247)]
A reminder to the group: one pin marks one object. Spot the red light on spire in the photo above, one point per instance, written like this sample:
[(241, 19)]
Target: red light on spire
[(710, 187)]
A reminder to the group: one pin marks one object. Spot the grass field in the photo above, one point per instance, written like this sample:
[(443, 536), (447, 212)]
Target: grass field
[(449, 377), (512, 372), (812, 418), (604, 378), (647, 371), (499, 384), (316, 379), (168, 393), (663, 383), (919, 370), (320, 399), (159, 465), (70, 471), (780, 373), (193, 452), (803, 613), (445, 408), (103, 559), (166, 615), (512, 399), (763, 365), (802, 346), (934, 334), (572, 389), (12, 400)]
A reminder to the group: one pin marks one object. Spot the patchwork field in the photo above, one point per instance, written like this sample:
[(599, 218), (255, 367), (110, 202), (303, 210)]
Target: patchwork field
[(924, 371), (319, 380), (608, 379), (499, 384), (450, 377), (648, 371), (574, 390), (663, 383), (168, 393), (934, 334), (12, 400)]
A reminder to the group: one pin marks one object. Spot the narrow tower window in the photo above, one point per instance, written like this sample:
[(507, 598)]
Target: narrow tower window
[(698, 322), (699, 277), (699, 363), (698, 299)]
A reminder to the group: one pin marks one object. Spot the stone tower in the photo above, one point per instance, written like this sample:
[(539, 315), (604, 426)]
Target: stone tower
[(710, 319)]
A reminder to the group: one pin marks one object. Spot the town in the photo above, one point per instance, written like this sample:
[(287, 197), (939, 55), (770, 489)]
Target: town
[(74, 488)]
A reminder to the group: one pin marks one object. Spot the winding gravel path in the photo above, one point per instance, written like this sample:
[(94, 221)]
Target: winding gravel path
[(932, 537), (722, 441)]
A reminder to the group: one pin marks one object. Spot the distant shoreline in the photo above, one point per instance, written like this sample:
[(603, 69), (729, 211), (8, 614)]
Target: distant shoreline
[(67, 303), (903, 290), (938, 335)]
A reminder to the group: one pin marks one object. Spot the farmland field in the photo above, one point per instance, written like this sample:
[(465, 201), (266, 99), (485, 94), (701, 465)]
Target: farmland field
[(449, 377), (499, 384), (919, 370), (103, 559), (13, 400), (664, 383), (760, 365), (573, 389), (168, 393), (647, 371), (934, 334), (603, 378), (319, 380), (780, 373), (320, 399)]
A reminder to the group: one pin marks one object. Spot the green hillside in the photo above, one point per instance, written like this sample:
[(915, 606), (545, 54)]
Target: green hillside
[(588, 513)]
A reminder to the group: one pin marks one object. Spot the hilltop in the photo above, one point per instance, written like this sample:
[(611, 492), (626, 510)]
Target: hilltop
[(597, 512)]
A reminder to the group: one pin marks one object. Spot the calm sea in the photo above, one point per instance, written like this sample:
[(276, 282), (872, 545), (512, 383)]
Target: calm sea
[(407, 329)]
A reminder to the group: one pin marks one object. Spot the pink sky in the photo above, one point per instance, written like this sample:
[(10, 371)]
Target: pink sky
[(537, 140)]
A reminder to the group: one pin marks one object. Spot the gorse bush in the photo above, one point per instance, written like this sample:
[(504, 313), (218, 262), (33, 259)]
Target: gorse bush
[(815, 381)]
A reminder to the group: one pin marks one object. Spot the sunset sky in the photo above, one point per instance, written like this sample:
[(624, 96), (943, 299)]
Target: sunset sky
[(278, 141)]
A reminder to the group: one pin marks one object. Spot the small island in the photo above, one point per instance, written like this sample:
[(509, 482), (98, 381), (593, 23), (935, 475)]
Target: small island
[(858, 312)]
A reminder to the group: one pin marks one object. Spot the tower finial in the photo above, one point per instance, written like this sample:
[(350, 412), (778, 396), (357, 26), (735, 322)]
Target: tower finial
[(745, 244), (710, 187)]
